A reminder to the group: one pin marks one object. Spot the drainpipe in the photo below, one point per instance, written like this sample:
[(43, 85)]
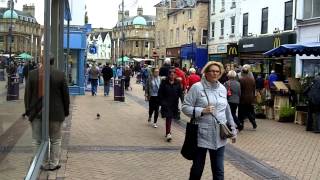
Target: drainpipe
[(208, 30)]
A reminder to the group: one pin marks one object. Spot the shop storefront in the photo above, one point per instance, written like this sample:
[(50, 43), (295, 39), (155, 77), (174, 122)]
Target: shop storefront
[(191, 54), (76, 59), (308, 31), (173, 54), (251, 51)]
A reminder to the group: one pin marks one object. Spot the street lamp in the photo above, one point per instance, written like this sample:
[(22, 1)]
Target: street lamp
[(192, 30)]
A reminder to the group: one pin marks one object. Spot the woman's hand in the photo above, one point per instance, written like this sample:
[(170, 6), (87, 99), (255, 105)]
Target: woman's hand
[(208, 110)]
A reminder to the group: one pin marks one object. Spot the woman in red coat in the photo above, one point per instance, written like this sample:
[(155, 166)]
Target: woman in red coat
[(192, 78)]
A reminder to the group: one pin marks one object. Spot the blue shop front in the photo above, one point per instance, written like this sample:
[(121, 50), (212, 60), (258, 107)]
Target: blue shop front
[(75, 65), (191, 54)]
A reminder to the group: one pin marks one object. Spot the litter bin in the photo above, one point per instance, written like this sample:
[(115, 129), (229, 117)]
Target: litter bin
[(13, 88), (119, 90), (2, 75)]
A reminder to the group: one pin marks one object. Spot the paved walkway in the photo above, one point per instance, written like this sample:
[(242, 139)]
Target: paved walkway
[(122, 145)]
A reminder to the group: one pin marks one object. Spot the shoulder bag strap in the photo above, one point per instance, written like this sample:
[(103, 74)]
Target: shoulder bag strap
[(205, 92)]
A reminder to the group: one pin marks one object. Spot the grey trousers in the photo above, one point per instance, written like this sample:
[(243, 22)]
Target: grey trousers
[(55, 136)]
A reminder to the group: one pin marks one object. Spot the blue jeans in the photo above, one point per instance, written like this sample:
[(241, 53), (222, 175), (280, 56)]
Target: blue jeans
[(217, 166), (106, 87), (94, 84)]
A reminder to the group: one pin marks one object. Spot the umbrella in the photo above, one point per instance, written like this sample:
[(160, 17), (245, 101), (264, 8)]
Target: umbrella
[(25, 56), (311, 48)]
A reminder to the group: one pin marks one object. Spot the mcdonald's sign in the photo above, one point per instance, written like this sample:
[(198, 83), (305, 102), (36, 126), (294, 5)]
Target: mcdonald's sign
[(232, 50), (276, 42)]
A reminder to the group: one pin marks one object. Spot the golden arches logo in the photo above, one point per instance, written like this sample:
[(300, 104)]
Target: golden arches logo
[(232, 51), (276, 42)]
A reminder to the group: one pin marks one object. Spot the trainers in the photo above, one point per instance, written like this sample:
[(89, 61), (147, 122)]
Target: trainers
[(169, 137), (254, 126), (155, 125)]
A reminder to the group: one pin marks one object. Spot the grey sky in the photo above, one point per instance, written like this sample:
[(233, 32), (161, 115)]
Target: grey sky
[(102, 13)]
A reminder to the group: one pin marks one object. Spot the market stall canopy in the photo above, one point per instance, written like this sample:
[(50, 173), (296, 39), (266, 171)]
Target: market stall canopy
[(125, 59), (141, 59), (24, 56), (311, 48)]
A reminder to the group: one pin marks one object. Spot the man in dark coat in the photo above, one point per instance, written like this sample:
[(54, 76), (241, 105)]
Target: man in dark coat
[(107, 74), (59, 109), (247, 98), (164, 70), (313, 121)]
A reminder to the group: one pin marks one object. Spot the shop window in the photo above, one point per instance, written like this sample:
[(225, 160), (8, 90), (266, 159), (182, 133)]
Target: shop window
[(310, 67), (288, 15), (264, 21)]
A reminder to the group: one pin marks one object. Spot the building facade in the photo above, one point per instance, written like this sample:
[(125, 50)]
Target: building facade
[(26, 32), (308, 30), (224, 30), (182, 33), (138, 36), (99, 45), (266, 25)]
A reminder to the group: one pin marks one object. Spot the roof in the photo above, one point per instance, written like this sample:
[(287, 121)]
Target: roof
[(150, 20), (7, 14), (139, 20), (24, 16)]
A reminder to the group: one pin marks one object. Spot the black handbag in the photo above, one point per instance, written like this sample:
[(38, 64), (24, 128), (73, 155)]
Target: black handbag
[(190, 144)]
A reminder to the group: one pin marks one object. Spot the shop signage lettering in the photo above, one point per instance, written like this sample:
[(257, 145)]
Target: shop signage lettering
[(276, 42)]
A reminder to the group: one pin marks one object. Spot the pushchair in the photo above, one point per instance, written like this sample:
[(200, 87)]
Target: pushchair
[(138, 81)]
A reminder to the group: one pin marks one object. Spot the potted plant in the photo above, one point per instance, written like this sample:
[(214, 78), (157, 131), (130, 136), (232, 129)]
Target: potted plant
[(286, 114)]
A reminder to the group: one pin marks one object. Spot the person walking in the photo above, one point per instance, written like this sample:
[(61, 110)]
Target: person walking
[(94, 76), (169, 93), (192, 78), (247, 98), (164, 70), (127, 75), (151, 93), (107, 74), (233, 95), (208, 99), (58, 109)]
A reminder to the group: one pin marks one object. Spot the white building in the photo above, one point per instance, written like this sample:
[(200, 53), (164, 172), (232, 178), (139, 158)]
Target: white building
[(265, 25), (101, 39), (308, 30), (224, 29)]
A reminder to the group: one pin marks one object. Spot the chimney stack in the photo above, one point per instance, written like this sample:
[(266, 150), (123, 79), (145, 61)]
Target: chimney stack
[(30, 9), (140, 11)]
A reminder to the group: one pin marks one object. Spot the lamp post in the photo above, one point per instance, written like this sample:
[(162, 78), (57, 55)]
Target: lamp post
[(122, 35), (192, 31)]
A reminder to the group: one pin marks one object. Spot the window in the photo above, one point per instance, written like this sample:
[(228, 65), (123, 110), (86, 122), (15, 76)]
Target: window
[(190, 14), (171, 36), (212, 29), (146, 44), (233, 4), (175, 19), (1, 39), (137, 43), (233, 24), (204, 37), (264, 21), (223, 3), (222, 27), (177, 35), (311, 9), (158, 39), (245, 24), (288, 15), (213, 8), (163, 38)]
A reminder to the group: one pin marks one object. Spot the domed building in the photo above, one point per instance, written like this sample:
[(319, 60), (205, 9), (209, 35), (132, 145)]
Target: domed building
[(139, 33), (26, 31)]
